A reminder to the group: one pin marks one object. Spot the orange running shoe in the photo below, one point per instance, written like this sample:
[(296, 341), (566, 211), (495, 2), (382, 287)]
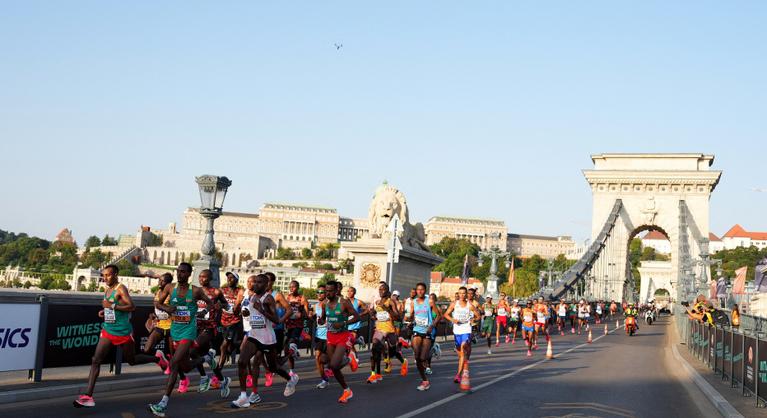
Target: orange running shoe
[(353, 363), (403, 370), (346, 396), (373, 378)]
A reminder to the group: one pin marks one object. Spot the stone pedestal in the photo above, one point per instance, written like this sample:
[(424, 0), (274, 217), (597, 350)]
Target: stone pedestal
[(371, 267), (492, 287), (203, 264)]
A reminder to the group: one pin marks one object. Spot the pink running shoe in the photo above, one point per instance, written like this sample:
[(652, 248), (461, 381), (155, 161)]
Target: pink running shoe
[(529, 354), (249, 381), (329, 373), (183, 385), (507, 339), (457, 378), (161, 360), (167, 371), (268, 378), (84, 401)]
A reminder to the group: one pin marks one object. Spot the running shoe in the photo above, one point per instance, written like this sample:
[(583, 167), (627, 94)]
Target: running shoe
[(204, 384), (404, 342), (249, 381), (403, 369), (254, 398), (428, 371), (507, 339), (215, 383), (225, 387), (84, 401), (387, 367), (572, 330), (535, 347), (210, 358), (167, 371), (353, 363), (489, 352), (457, 378), (241, 402), (183, 385), (529, 354), (268, 379), (424, 386), (158, 409), (293, 350), (360, 341), (323, 384), (473, 339), (290, 387), (161, 361), (373, 378), (346, 396), (329, 373), (437, 351)]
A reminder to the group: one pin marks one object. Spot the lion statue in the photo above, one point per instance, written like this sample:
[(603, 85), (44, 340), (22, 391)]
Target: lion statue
[(387, 202)]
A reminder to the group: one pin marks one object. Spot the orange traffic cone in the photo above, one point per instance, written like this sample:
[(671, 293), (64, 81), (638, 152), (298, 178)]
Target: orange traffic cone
[(605, 329), (465, 384), (549, 351), (589, 340)]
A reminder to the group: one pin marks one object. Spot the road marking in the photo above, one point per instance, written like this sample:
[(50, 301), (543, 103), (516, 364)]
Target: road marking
[(127, 415), (225, 407), (491, 382), (591, 405)]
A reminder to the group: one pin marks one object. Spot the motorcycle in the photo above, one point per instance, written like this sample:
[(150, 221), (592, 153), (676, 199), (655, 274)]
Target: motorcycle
[(631, 326), (649, 317)]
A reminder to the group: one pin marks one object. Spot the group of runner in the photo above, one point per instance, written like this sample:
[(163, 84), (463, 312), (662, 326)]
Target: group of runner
[(196, 323)]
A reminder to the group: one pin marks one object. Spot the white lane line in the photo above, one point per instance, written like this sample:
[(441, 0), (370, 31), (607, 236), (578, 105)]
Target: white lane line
[(496, 380)]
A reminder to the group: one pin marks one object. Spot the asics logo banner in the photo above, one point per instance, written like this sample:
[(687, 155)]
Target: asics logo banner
[(14, 337)]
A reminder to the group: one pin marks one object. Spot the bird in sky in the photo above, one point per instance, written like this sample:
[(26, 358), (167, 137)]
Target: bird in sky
[(338, 46)]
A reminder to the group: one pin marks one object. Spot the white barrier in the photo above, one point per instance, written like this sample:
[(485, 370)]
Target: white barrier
[(19, 335)]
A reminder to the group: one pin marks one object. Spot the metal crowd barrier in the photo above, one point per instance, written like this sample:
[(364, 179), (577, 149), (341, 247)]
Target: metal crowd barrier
[(738, 355)]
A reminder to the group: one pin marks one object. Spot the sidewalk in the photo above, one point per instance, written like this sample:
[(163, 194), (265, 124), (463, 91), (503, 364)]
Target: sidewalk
[(743, 405)]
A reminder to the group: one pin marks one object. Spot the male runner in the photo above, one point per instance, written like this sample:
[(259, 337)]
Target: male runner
[(573, 316), (384, 338), (541, 320), (561, 315), (460, 313), (207, 328), (231, 323), (160, 330), (501, 321), (115, 331), (528, 326), (321, 340), (598, 312), (423, 311), (337, 314), (361, 308), (613, 310), (584, 311), (283, 312), (299, 309), (515, 311), (260, 342), (488, 317), (436, 350), (183, 308), (472, 297)]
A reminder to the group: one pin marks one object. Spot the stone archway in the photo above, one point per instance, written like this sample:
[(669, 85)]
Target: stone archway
[(654, 190)]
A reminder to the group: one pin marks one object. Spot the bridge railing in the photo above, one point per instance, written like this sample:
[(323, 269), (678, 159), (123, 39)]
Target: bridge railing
[(737, 354)]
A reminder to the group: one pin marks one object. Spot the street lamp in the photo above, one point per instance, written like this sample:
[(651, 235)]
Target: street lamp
[(492, 281), (212, 193)]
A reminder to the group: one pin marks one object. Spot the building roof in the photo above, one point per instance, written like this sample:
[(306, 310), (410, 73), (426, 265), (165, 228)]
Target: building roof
[(655, 235), (225, 213), (465, 220), (712, 237), (293, 206), (542, 237), (737, 231)]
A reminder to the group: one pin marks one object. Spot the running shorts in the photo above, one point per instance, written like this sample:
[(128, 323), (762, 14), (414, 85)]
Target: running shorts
[(264, 348), (233, 333), (487, 325), (320, 345), (460, 339), (422, 335), (338, 338), (116, 339), (501, 321), (528, 329), (294, 335)]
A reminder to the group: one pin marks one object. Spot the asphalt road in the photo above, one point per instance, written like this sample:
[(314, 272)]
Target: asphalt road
[(615, 376)]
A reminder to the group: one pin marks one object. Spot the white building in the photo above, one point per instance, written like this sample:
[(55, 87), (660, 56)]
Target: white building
[(657, 240), (739, 237)]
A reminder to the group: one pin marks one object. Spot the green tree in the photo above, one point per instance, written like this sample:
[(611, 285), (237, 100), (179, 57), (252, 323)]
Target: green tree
[(94, 259), (27, 284), (454, 250), (127, 268), (92, 241), (300, 264), (306, 253), (107, 240), (92, 286), (327, 251), (154, 240), (285, 254), (347, 265)]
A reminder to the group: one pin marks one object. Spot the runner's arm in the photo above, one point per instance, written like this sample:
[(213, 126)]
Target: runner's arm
[(285, 306), (449, 312), (199, 294), (349, 309), (123, 295), (162, 296), (268, 309)]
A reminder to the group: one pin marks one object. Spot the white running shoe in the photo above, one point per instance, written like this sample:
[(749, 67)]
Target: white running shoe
[(254, 398), (241, 402), (437, 350), (290, 387), (428, 370), (489, 352), (225, 387), (322, 385)]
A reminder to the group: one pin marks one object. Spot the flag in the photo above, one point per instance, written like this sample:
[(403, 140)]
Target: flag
[(721, 288), (465, 273), (760, 276), (512, 274), (739, 285)]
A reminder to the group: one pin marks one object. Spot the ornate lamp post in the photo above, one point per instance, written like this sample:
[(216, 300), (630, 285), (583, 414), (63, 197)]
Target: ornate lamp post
[(212, 193), (492, 281)]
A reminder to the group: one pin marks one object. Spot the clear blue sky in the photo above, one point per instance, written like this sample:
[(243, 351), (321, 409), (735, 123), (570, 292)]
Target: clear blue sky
[(109, 109)]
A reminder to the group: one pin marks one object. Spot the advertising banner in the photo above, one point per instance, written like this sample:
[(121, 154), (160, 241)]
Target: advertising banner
[(18, 335), (737, 357), (749, 359)]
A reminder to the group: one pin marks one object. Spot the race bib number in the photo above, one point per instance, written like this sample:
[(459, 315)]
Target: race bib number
[(182, 315), (514, 314), (562, 312), (296, 314), (109, 316), (463, 318), (541, 317), (501, 311), (528, 318), (489, 312), (257, 322), (421, 321), (160, 314), (382, 316)]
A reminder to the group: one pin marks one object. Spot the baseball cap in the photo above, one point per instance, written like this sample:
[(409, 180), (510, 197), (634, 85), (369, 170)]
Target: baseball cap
[(236, 276), (396, 292)]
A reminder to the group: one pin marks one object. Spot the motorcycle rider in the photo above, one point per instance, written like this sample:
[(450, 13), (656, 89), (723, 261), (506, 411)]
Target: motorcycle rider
[(633, 312)]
